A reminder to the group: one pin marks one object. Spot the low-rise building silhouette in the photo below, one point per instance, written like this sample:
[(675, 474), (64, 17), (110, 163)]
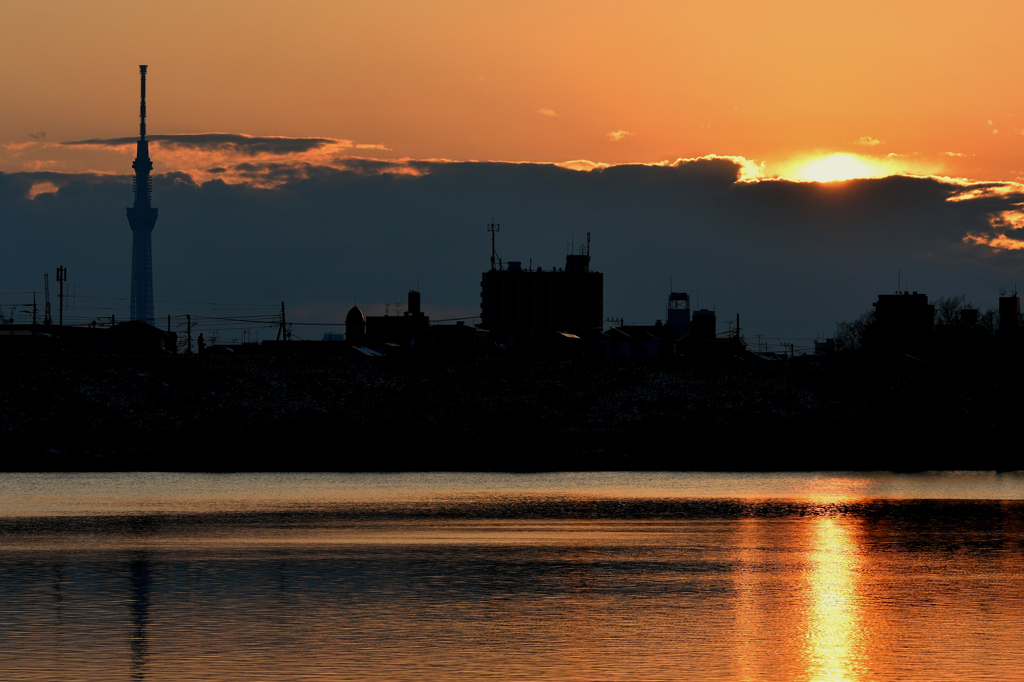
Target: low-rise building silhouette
[(903, 323), (518, 303)]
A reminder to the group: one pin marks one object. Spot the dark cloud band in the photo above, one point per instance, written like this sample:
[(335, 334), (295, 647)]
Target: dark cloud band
[(792, 258), (240, 144)]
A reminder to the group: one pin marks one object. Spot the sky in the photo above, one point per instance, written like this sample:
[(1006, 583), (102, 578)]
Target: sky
[(723, 131)]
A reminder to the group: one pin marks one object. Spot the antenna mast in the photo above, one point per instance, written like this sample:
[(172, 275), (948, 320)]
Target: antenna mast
[(494, 228), (142, 104)]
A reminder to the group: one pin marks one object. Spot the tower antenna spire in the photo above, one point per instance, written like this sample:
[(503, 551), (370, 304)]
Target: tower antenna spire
[(142, 103), (142, 217)]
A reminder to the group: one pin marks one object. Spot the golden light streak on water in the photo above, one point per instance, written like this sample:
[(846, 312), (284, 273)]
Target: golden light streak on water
[(834, 627), (632, 577)]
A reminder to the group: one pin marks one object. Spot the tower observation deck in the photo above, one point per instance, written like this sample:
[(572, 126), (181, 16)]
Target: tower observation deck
[(142, 218)]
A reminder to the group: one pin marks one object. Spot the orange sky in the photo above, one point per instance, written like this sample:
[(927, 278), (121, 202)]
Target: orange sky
[(934, 84)]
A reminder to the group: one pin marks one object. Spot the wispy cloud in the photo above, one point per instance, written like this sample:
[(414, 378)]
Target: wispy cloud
[(1005, 204), (1006, 233), (41, 135), (619, 135), (42, 188), (18, 147), (238, 158), (868, 141), (551, 113), (582, 165), (248, 145)]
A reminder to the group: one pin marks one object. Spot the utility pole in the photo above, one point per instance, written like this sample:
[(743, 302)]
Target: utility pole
[(47, 318), (737, 326), (33, 308), (62, 276), (168, 324), (282, 331), (188, 333)]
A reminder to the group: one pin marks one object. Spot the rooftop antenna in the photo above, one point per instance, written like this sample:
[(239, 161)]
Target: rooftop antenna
[(494, 228)]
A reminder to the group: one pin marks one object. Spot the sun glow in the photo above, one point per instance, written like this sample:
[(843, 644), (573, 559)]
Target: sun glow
[(839, 167)]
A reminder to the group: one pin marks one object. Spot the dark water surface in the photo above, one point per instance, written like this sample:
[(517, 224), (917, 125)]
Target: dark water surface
[(533, 577)]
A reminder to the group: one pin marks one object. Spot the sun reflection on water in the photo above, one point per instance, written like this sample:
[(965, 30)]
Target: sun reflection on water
[(833, 620)]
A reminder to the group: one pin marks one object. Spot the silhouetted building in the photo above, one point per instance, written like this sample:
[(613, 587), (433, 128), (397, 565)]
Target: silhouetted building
[(457, 340), (516, 303), (704, 324), (903, 322), (355, 326), (646, 342), (142, 218), (398, 330), (1009, 313), (678, 318), (129, 338), (1009, 332)]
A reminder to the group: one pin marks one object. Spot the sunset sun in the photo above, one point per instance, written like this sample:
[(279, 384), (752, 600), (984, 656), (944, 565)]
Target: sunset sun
[(839, 167)]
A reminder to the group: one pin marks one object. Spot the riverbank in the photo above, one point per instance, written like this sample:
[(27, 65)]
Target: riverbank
[(380, 414)]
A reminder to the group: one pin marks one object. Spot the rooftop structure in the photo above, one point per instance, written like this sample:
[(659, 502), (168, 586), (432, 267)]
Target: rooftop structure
[(517, 302), (903, 322)]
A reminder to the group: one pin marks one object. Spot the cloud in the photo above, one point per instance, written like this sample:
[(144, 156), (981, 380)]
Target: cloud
[(237, 158), (582, 165), (770, 249), (1003, 206), (958, 154), (247, 145), (868, 141), (547, 112), (1006, 233), (42, 188), (41, 135), (18, 147), (619, 135)]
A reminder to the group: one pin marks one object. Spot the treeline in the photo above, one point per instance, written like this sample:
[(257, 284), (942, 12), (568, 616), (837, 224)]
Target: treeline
[(955, 324)]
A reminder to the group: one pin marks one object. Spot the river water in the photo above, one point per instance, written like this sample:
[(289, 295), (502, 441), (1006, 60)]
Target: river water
[(592, 576)]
